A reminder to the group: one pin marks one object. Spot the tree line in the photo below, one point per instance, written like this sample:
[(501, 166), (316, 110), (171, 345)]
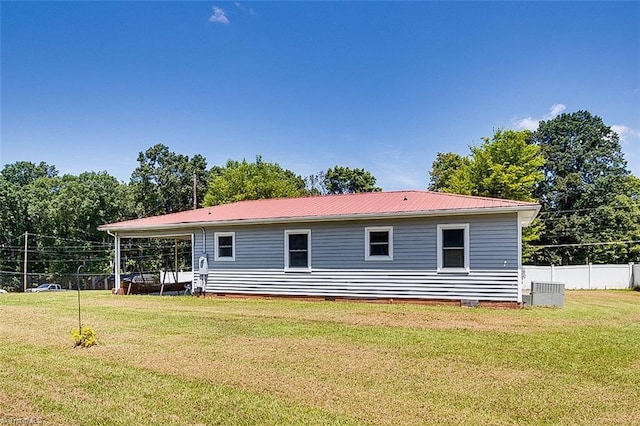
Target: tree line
[(62, 213), (572, 165)]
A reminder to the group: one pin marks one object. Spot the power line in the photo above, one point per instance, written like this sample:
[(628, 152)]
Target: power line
[(8, 243), (104, 243), (149, 246), (598, 216), (601, 243), (587, 209)]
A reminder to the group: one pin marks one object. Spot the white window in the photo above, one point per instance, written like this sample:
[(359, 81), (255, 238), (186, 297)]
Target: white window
[(378, 243), (225, 243), (297, 250), (453, 247)]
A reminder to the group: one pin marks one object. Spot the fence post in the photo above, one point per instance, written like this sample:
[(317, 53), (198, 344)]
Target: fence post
[(589, 272), (26, 263), (552, 280)]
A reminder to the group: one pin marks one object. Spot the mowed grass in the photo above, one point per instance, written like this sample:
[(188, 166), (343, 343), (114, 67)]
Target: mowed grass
[(203, 361)]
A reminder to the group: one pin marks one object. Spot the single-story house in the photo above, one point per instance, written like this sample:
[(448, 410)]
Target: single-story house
[(387, 245)]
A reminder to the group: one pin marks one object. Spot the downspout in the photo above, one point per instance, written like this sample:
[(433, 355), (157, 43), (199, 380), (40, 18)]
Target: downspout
[(520, 277), (204, 240), (202, 278), (116, 264)]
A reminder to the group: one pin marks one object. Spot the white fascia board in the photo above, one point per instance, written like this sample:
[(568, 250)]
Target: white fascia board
[(173, 234)]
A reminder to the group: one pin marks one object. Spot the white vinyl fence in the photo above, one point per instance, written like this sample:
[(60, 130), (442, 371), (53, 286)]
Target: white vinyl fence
[(583, 276)]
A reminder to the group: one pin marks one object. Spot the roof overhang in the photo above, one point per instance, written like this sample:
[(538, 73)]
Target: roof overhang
[(168, 234), (526, 214)]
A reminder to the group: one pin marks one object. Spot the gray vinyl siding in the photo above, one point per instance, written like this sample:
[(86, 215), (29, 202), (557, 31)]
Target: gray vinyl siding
[(259, 248), (493, 243), (256, 247), (339, 268), (341, 245), (408, 284)]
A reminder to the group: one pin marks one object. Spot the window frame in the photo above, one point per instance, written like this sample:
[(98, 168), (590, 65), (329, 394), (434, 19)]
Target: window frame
[(287, 253), (367, 243), (440, 248), (217, 256)]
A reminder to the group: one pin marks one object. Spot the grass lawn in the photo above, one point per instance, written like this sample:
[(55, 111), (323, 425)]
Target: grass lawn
[(197, 361)]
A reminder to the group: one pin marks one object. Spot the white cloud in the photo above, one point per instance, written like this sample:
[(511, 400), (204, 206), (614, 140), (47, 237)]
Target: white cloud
[(556, 110), (528, 123), (219, 16), (625, 133), (531, 123), (242, 8), (630, 141)]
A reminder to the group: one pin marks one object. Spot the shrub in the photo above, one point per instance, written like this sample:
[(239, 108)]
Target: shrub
[(85, 337)]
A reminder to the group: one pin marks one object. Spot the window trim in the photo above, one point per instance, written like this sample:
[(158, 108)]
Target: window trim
[(288, 232), (217, 256), (447, 226), (367, 243)]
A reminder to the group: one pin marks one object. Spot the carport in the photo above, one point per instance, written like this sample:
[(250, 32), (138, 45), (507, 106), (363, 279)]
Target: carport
[(144, 234)]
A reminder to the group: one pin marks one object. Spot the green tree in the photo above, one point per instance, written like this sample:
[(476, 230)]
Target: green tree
[(15, 179), (25, 199), (617, 223), (443, 168), (344, 180), (239, 181), (84, 202), (21, 191), (23, 173), (13, 209), (589, 197), (163, 181), (65, 212), (61, 215), (508, 166), (505, 166), (579, 150)]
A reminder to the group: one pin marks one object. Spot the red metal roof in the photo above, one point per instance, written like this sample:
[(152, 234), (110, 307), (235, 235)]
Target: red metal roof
[(370, 204)]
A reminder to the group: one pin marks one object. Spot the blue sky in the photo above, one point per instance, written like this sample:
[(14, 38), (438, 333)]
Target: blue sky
[(380, 85)]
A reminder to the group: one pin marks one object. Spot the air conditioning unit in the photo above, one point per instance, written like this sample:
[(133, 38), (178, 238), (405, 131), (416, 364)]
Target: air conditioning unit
[(547, 294)]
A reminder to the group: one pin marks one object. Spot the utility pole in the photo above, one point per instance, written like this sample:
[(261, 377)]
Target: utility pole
[(26, 238), (195, 192)]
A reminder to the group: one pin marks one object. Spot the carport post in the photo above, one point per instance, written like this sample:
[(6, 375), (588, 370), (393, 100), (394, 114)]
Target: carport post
[(116, 265), (175, 260), (78, 284), (26, 263)]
